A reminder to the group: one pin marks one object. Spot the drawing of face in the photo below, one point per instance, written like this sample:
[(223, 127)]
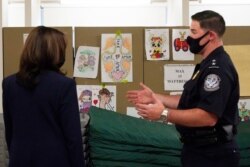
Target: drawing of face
[(104, 95), (85, 99), (156, 44), (105, 98)]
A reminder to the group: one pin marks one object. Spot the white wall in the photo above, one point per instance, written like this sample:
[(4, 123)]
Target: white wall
[(16, 15), (105, 16), (234, 15)]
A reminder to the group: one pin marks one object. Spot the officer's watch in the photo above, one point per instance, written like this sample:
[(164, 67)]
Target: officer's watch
[(164, 116)]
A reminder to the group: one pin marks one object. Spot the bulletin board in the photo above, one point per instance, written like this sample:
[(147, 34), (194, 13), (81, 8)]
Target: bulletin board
[(13, 42), (154, 70), (91, 36), (237, 44), (149, 72)]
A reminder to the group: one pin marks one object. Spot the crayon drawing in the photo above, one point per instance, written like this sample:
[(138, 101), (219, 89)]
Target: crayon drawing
[(180, 46), (86, 62), (104, 97), (84, 94), (244, 109), (99, 96), (116, 61), (157, 44)]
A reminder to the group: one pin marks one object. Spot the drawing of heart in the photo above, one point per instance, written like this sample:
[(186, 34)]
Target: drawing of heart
[(118, 75), (95, 101)]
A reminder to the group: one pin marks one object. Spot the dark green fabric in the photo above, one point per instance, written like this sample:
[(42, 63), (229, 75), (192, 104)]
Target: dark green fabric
[(119, 140), (105, 163), (243, 139)]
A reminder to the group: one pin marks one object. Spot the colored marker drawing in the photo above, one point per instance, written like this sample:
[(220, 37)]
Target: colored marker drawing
[(156, 44), (86, 62), (116, 57)]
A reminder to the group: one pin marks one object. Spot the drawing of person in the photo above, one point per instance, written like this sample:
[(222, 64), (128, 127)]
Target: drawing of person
[(156, 43), (85, 101), (105, 99)]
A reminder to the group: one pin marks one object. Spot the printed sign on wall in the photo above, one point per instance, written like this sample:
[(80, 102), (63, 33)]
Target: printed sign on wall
[(176, 75)]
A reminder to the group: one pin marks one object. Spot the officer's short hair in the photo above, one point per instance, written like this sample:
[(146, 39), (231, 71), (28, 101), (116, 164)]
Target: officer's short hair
[(210, 20)]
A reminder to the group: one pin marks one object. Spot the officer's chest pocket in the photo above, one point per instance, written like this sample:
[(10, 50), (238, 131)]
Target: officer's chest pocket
[(191, 93)]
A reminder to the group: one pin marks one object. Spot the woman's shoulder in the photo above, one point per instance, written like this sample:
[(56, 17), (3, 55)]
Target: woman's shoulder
[(9, 78), (55, 77)]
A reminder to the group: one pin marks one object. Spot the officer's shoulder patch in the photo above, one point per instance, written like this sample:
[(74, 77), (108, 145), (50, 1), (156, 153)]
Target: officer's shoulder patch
[(212, 82)]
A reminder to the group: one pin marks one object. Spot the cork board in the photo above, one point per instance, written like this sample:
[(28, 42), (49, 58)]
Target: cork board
[(233, 37), (154, 70), (149, 72), (91, 36), (13, 42), (237, 44), (240, 56)]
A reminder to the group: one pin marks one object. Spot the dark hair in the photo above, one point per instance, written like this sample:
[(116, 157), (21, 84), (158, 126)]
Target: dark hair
[(44, 49), (210, 20), (104, 91)]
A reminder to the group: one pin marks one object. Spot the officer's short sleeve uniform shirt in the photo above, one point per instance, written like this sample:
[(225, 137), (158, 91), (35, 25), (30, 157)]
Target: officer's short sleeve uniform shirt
[(214, 87)]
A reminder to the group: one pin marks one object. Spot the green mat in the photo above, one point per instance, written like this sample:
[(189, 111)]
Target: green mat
[(119, 140), (243, 139)]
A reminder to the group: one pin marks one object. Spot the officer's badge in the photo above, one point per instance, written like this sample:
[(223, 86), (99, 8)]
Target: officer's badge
[(212, 82)]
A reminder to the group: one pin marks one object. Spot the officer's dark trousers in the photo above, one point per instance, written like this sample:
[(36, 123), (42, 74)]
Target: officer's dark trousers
[(216, 155)]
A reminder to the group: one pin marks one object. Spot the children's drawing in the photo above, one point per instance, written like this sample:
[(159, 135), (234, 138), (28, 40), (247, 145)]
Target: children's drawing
[(99, 96), (116, 57), (86, 62), (180, 46), (104, 97), (244, 109), (157, 44), (84, 94)]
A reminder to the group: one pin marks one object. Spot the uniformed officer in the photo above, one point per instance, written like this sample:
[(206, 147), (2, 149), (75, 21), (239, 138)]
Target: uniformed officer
[(206, 114)]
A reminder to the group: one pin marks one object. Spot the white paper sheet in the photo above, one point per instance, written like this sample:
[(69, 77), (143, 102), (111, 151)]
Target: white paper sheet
[(157, 44), (180, 47), (86, 62), (116, 58), (176, 75)]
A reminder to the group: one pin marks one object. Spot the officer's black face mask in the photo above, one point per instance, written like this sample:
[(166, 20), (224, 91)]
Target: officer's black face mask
[(194, 44)]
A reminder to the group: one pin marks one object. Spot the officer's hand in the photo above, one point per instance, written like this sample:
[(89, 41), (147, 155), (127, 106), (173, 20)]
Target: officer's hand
[(151, 111), (143, 96)]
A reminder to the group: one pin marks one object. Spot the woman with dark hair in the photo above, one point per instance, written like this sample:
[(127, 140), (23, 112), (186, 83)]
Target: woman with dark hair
[(41, 115)]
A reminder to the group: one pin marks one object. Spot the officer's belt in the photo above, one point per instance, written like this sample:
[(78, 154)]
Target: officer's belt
[(217, 134)]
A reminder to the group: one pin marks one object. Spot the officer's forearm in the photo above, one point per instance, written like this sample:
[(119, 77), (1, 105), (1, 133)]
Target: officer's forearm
[(192, 118), (169, 101)]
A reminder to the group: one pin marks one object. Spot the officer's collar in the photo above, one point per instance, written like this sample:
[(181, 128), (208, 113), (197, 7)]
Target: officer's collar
[(213, 54)]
